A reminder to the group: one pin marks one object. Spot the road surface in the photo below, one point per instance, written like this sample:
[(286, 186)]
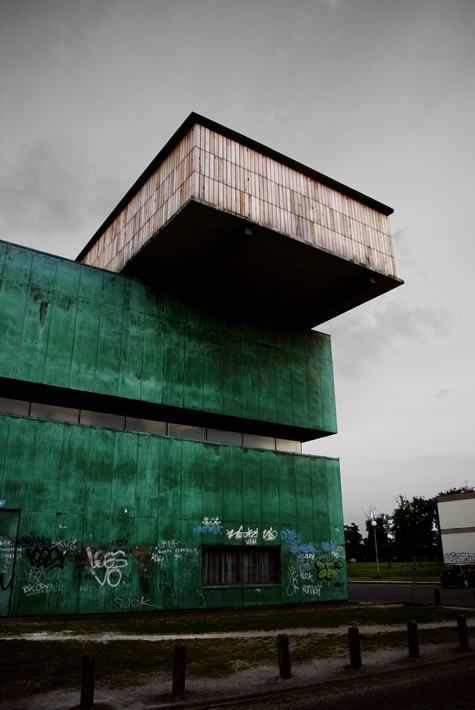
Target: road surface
[(447, 685), (382, 593)]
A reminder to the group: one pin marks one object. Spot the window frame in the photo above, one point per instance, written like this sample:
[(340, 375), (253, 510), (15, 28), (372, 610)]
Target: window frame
[(272, 552)]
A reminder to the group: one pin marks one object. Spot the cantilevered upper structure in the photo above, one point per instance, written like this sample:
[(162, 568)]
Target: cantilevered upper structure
[(155, 392), (228, 218)]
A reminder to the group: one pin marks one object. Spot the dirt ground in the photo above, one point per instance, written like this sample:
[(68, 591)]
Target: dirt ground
[(200, 692)]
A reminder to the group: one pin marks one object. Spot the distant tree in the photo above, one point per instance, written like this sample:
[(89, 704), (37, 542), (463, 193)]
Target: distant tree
[(354, 545), (416, 528)]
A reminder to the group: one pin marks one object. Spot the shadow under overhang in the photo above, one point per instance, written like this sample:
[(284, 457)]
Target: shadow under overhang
[(225, 262)]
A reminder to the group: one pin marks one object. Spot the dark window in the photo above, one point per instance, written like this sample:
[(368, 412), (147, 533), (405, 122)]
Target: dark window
[(241, 565)]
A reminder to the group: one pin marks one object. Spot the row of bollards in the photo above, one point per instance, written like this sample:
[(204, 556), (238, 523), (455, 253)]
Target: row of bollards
[(285, 671), (412, 640), (89, 672)]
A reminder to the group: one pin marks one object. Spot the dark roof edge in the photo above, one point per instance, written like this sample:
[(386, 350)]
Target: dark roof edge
[(249, 143)]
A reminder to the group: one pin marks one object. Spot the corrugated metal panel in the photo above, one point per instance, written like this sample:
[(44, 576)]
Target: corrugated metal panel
[(108, 517), (156, 349)]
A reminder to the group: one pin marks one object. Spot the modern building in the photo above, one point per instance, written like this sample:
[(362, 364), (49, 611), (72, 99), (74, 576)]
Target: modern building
[(155, 393), (457, 525)]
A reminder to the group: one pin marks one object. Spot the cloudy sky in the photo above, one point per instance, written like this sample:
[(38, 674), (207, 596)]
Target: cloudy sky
[(376, 94)]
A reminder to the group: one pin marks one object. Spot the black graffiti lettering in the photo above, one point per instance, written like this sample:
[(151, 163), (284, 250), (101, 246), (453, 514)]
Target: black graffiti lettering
[(45, 557), (4, 587)]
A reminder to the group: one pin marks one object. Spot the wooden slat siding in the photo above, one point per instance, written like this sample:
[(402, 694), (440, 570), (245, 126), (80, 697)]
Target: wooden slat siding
[(219, 171)]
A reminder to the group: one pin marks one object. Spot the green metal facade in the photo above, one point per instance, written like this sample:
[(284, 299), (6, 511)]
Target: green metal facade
[(96, 519)]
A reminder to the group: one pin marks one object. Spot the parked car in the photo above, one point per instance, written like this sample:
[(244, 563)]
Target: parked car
[(459, 575)]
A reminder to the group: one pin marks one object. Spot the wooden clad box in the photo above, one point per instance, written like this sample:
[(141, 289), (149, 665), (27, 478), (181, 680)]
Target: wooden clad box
[(253, 224)]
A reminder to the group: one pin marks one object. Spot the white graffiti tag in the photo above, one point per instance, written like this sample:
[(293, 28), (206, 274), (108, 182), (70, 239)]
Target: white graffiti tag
[(269, 535), (112, 564), (293, 585), (249, 535)]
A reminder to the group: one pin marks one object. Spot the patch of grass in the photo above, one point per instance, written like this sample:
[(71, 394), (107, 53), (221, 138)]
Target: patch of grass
[(313, 617), (30, 667), (399, 571)]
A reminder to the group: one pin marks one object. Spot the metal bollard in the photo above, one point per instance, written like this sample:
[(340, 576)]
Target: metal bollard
[(179, 670), (87, 680), (413, 639), (284, 656), (437, 597), (355, 648), (462, 632)]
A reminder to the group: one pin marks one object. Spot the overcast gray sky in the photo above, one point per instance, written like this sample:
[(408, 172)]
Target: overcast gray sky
[(377, 94)]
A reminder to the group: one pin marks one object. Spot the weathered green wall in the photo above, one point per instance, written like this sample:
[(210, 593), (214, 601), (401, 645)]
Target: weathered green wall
[(74, 326), (114, 520)]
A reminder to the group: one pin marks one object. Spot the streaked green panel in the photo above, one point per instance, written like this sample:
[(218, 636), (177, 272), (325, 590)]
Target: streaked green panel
[(250, 380), (143, 566), (34, 340), (134, 295), (173, 364), (68, 276), (18, 264), (288, 507), (99, 473), (320, 497), (251, 485), (83, 366), (328, 397), (212, 494), (195, 349), (267, 383), (191, 501), (213, 372), (231, 385), (90, 283), (232, 475), (18, 461), (44, 491), (270, 488), (148, 474), (303, 489), (3, 255), (72, 469), (60, 340), (113, 289), (152, 364), (131, 355), (108, 363), (313, 387), (299, 389), (283, 385), (170, 486), (124, 472), (43, 270), (12, 309)]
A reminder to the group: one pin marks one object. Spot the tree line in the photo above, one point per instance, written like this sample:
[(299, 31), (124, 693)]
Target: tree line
[(413, 530)]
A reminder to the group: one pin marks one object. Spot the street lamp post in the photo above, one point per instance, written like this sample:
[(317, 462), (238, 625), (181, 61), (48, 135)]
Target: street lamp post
[(374, 524)]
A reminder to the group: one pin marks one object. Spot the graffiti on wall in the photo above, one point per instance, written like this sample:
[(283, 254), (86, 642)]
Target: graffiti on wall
[(160, 569), (460, 557)]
